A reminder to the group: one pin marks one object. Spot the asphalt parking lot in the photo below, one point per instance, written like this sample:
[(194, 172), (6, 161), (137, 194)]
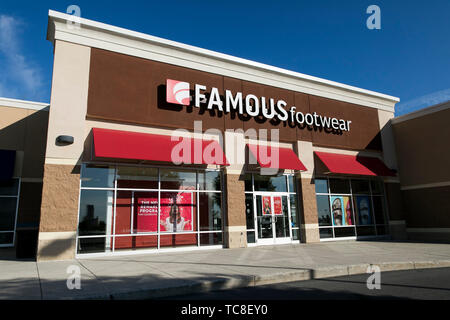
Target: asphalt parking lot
[(426, 284)]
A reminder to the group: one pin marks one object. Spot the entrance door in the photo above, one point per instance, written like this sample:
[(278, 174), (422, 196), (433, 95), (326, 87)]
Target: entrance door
[(272, 219)]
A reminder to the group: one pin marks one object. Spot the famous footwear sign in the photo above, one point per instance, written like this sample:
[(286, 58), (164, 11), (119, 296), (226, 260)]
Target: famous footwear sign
[(178, 92)]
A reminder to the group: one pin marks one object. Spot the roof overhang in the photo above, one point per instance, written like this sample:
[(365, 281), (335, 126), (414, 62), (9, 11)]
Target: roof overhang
[(23, 104), (103, 36)]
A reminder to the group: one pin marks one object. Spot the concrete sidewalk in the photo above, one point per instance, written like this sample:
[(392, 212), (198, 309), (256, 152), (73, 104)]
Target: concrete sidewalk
[(167, 274)]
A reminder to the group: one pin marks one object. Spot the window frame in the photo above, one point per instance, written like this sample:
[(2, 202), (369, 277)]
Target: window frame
[(17, 196), (116, 189), (288, 193), (352, 196)]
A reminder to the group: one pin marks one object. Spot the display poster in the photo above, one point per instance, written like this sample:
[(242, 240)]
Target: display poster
[(277, 206), (363, 210), (347, 210), (341, 211), (266, 205), (147, 214), (176, 212), (337, 210)]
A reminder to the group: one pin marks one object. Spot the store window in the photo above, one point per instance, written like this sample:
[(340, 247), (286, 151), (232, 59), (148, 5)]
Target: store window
[(210, 180), (270, 183), (97, 176), (178, 179), (9, 198), (137, 177), (350, 207), (135, 207)]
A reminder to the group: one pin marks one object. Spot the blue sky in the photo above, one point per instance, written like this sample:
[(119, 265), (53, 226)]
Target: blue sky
[(408, 58)]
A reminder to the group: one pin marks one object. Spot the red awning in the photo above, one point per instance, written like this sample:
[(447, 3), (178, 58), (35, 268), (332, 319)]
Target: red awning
[(154, 147), (347, 164), (286, 159)]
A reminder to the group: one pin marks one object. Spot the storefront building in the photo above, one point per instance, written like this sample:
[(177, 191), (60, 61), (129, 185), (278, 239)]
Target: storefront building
[(23, 134), (154, 145), (422, 138)]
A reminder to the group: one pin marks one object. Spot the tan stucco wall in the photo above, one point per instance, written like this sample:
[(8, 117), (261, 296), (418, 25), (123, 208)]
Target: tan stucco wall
[(59, 209), (387, 139), (306, 155), (68, 101), (25, 131), (13, 128)]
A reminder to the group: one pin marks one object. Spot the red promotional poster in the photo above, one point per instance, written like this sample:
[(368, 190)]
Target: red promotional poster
[(266, 205), (177, 211), (277, 205), (147, 215)]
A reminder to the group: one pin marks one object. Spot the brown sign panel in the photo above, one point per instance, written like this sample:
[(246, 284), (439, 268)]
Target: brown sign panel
[(132, 90), (364, 126)]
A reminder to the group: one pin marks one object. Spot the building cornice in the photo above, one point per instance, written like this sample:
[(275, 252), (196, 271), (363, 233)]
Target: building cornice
[(103, 36), (422, 112), (23, 104)]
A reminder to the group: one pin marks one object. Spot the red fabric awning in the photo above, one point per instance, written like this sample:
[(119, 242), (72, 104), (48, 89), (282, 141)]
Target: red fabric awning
[(118, 144), (287, 159), (358, 165)]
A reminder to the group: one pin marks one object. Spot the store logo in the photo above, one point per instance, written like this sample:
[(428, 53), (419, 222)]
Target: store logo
[(177, 92), (250, 105)]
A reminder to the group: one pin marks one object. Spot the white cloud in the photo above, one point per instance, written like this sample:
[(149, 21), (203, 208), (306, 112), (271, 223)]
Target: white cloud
[(20, 77), (423, 102)]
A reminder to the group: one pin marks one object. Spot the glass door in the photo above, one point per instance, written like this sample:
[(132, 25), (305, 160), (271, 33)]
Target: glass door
[(272, 218), (264, 219), (281, 216)]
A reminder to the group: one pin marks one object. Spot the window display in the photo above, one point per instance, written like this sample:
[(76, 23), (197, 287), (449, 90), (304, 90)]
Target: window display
[(364, 213), (350, 207), (176, 211), (138, 215), (342, 211)]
